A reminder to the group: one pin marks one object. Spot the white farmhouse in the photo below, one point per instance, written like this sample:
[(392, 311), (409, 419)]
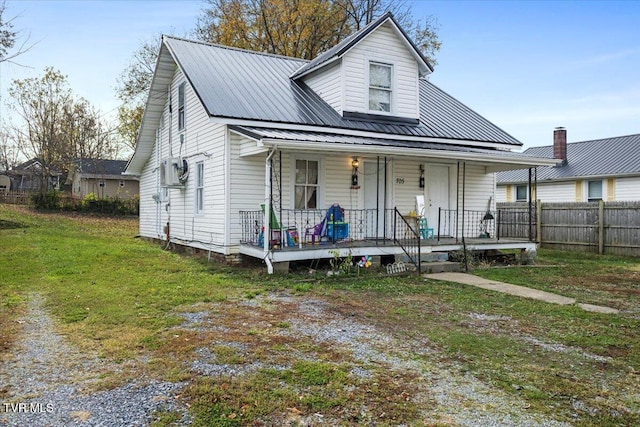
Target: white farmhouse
[(355, 151)]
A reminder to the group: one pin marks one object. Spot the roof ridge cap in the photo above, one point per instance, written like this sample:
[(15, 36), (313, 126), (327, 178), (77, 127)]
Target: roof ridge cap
[(233, 48)]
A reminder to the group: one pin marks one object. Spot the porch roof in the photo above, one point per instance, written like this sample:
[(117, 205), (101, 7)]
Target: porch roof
[(494, 160)]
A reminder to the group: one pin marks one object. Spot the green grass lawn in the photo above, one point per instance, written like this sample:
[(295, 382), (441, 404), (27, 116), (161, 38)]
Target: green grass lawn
[(118, 296)]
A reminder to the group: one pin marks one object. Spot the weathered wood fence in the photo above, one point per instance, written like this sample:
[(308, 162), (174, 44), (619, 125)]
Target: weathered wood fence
[(15, 197), (600, 227)]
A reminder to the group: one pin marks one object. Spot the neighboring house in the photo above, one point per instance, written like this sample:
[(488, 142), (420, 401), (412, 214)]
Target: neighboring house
[(226, 130), (28, 176), (603, 169), (103, 178)]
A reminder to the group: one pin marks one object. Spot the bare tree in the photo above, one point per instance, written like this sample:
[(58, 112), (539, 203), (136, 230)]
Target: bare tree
[(9, 153), (133, 86), (55, 126), (9, 37)]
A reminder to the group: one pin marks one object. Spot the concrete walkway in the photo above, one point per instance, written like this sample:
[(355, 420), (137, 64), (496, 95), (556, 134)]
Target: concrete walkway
[(521, 291)]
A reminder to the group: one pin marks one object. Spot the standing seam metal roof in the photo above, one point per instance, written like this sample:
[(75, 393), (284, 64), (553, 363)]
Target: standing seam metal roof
[(600, 157), (234, 83)]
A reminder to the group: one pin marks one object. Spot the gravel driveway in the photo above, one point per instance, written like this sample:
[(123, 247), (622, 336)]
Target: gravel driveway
[(51, 383)]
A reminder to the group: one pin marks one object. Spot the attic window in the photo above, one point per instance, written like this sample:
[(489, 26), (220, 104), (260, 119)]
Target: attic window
[(380, 87)]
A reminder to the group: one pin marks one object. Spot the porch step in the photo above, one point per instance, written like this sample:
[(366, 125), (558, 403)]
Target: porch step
[(440, 267), (428, 257)]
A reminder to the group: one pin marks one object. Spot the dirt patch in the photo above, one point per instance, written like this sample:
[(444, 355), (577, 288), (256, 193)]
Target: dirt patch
[(401, 381)]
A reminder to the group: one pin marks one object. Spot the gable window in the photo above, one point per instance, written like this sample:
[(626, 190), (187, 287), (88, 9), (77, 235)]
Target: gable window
[(199, 187), (594, 191), (380, 90), (306, 185), (181, 106), (522, 193)]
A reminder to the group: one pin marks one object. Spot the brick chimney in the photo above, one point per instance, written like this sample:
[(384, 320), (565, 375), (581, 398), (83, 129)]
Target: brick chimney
[(560, 144)]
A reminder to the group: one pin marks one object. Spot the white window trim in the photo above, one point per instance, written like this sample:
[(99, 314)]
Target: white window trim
[(515, 190), (367, 86), (321, 180), (197, 188), (603, 189), (184, 107)]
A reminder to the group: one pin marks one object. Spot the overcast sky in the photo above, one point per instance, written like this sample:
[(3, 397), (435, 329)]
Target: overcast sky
[(526, 66)]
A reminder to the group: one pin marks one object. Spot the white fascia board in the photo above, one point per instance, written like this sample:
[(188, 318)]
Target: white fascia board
[(520, 162), (365, 134), (154, 107)]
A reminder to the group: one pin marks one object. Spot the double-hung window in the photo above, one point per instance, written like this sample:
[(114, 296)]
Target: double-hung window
[(199, 208), (181, 106), (380, 87), (306, 186), (522, 193), (594, 191)]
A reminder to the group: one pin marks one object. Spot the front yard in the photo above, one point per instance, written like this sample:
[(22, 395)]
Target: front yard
[(233, 346)]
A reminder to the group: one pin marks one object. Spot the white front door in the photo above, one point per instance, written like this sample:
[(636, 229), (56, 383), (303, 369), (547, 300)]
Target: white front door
[(374, 198), (437, 193)]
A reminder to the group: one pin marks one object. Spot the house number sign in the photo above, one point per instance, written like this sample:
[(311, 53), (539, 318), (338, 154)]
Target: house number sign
[(399, 180)]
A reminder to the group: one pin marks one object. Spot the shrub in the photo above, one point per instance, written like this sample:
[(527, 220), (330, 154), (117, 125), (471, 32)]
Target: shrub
[(46, 201)]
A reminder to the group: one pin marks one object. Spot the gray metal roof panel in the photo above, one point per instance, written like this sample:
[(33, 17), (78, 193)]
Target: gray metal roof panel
[(600, 157), (241, 84), (311, 137)]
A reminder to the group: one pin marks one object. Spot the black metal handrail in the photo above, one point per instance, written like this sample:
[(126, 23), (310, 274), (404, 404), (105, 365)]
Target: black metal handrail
[(407, 236)]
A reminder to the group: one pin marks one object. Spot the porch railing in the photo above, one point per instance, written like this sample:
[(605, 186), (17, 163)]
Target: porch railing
[(406, 234), (500, 224), (467, 224), (356, 224)]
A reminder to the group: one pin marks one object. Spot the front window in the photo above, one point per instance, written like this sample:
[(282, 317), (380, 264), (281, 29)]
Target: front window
[(521, 193), (306, 187), (199, 187), (594, 191), (181, 106), (380, 76)]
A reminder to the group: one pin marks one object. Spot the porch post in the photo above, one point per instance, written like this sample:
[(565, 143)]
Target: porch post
[(267, 208), (464, 242), (530, 207), (377, 197), (384, 202), (457, 198)]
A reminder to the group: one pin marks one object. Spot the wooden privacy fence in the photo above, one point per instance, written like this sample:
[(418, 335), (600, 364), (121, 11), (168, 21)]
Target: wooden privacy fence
[(15, 197), (600, 227)]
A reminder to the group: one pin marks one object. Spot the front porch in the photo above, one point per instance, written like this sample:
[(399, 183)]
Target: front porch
[(297, 235)]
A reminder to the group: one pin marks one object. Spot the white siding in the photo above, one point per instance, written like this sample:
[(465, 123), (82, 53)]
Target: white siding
[(627, 189), (501, 193), (406, 184), (557, 192), (478, 186), (202, 140), (327, 83), (384, 46), (246, 187)]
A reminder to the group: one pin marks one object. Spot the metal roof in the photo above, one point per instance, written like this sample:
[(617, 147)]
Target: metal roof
[(344, 46), (240, 84), (614, 156), (316, 141), (100, 166)]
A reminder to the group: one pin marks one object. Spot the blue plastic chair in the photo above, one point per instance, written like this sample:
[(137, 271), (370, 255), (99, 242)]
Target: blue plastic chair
[(425, 231)]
